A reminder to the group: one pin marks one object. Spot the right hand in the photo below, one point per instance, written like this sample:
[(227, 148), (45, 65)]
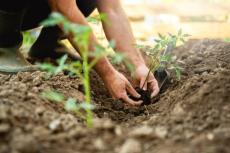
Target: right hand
[(119, 87)]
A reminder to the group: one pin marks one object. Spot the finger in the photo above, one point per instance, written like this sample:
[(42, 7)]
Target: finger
[(155, 89), (132, 91), (126, 99), (143, 84)]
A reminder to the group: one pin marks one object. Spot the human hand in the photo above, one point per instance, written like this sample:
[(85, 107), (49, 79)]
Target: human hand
[(119, 87), (140, 74)]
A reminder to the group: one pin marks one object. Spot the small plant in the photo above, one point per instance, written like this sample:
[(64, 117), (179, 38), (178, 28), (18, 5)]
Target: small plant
[(82, 67), (162, 60), (161, 55), (70, 104)]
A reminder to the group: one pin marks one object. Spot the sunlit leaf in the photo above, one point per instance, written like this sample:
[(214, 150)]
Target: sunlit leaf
[(112, 44), (54, 19), (86, 106), (96, 19), (53, 96), (130, 66), (117, 58), (166, 58), (49, 68), (70, 105)]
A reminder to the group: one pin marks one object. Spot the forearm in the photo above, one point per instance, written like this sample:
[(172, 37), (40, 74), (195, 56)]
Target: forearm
[(71, 11), (119, 29)]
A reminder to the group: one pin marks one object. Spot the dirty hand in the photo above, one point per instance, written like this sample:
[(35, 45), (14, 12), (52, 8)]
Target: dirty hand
[(119, 87), (140, 74)]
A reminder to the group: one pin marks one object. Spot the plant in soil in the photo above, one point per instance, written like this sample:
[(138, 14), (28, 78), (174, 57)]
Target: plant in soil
[(80, 68), (70, 104), (162, 60)]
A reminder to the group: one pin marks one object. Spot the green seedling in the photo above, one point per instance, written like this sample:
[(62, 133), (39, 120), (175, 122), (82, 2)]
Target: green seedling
[(79, 68), (162, 59), (70, 104), (82, 68), (161, 55)]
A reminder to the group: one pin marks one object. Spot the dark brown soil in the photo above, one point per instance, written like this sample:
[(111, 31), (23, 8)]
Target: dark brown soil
[(191, 116)]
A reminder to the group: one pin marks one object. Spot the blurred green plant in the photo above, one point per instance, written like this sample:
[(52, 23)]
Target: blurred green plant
[(227, 39), (70, 104), (161, 54), (98, 18), (82, 67), (29, 38)]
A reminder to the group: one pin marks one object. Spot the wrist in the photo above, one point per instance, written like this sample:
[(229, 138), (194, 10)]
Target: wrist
[(104, 68), (135, 58)]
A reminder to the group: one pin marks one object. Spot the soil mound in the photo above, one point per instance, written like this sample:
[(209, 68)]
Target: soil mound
[(192, 115)]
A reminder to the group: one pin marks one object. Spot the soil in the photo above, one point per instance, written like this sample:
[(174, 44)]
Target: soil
[(145, 96), (191, 116)]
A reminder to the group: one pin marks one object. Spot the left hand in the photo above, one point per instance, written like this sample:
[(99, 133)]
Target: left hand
[(140, 74)]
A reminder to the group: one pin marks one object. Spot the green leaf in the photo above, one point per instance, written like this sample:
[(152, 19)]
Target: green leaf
[(54, 19), (86, 106), (53, 96), (71, 105), (139, 46), (178, 74), (166, 58), (76, 65), (62, 60), (47, 67), (178, 70), (117, 58), (96, 19), (112, 44), (103, 17), (61, 64), (93, 20), (130, 66), (99, 51)]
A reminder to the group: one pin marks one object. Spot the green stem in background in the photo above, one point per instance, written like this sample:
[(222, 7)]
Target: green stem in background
[(86, 84)]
